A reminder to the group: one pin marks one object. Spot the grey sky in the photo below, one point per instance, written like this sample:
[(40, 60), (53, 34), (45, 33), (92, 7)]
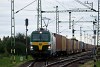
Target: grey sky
[(46, 5)]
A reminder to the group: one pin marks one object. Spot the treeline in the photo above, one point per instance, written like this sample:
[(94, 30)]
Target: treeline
[(20, 44)]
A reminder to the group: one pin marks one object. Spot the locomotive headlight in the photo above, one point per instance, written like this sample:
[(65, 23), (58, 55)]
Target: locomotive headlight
[(49, 47), (40, 32), (31, 47)]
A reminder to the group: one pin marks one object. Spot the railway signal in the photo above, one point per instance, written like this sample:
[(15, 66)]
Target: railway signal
[(26, 24)]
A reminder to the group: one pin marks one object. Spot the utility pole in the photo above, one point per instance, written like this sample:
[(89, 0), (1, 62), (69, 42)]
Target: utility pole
[(84, 37), (39, 15), (98, 28), (12, 32), (87, 38), (69, 20), (90, 39), (73, 29), (80, 33), (94, 37), (26, 24), (57, 19), (73, 34)]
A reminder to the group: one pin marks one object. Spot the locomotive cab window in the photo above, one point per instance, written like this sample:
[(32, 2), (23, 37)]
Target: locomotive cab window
[(36, 37), (43, 37)]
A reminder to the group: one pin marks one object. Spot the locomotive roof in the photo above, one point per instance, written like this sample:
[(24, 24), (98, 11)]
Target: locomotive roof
[(43, 31)]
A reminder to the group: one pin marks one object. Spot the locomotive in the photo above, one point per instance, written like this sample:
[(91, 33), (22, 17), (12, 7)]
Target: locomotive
[(44, 44)]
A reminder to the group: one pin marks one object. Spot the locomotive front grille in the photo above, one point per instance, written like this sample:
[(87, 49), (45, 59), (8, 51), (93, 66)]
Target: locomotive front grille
[(40, 45), (44, 48), (36, 48)]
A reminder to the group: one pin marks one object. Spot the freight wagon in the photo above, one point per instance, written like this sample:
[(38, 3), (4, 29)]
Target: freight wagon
[(69, 45), (43, 43), (58, 43)]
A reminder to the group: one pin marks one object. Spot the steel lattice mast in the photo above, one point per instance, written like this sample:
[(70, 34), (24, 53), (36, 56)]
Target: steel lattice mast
[(98, 32), (57, 19), (12, 32), (39, 15)]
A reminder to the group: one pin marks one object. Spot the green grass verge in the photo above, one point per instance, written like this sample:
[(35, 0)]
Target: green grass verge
[(91, 64), (6, 61), (98, 63)]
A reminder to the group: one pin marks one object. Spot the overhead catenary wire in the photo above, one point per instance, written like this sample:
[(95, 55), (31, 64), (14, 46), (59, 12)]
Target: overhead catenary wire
[(60, 4), (50, 2), (29, 10), (25, 6), (85, 5), (57, 2)]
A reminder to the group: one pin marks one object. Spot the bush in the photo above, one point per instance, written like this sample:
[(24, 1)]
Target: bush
[(20, 48), (1, 48)]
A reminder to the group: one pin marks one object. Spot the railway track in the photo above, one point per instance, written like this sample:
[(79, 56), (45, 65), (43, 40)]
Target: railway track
[(31, 64), (67, 61), (28, 64), (61, 61)]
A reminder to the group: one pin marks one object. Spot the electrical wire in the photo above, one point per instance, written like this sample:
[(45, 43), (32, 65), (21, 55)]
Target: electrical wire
[(83, 4), (25, 6), (50, 2), (29, 10), (60, 4)]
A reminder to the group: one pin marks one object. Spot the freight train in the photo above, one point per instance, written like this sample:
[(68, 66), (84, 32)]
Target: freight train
[(43, 43)]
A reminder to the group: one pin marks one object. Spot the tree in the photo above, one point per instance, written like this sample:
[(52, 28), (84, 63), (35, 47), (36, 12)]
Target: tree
[(20, 44), (1, 47)]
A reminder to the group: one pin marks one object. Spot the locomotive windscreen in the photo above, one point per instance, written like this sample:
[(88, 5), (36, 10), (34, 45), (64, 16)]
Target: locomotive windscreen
[(40, 37), (36, 37)]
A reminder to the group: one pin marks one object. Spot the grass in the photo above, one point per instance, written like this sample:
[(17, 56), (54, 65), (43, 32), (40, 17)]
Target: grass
[(91, 64), (98, 63), (88, 64), (6, 61)]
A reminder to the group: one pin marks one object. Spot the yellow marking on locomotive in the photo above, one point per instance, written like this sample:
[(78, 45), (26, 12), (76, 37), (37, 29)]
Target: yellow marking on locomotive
[(40, 44), (35, 43)]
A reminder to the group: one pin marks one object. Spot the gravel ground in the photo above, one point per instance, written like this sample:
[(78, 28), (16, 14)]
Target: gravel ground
[(25, 64)]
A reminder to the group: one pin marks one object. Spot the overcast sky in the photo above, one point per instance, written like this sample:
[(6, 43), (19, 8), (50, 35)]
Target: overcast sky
[(5, 16)]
